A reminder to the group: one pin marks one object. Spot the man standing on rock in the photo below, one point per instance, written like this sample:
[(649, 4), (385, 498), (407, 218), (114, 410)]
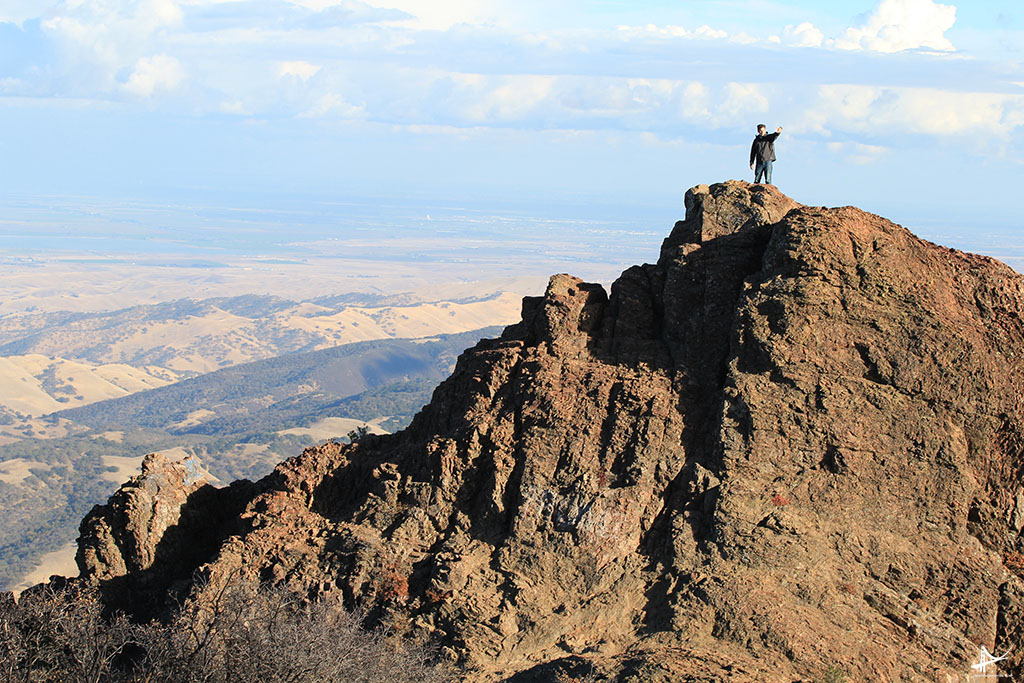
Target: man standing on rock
[(762, 151)]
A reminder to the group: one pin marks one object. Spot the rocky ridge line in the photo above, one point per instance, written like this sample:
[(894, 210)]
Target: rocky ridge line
[(794, 442)]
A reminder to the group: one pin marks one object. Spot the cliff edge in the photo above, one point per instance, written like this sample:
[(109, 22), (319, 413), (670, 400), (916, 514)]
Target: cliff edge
[(793, 443)]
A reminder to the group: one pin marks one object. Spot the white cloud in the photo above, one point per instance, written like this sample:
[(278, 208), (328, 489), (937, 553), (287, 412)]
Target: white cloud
[(897, 25), (672, 31), (151, 74), (743, 38), (695, 102), (443, 14), (893, 26), (469, 71), (706, 31), (235, 107), (334, 105), (591, 102), (731, 105), (803, 35), (161, 12), (99, 40), (650, 91), (302, 58), (299, 69), (858, 153), (511, 98), (927, 111), (267, 15), (19, 11), (742, 99)]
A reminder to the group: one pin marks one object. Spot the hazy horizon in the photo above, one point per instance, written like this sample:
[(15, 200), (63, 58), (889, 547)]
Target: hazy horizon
[(466, 240), (584, 111)]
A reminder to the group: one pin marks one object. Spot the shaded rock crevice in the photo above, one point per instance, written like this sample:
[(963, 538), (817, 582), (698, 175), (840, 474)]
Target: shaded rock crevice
[(146, 544)]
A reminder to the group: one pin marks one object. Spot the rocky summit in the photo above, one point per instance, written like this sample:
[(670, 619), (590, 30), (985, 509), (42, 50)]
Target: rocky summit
[(793, 446)]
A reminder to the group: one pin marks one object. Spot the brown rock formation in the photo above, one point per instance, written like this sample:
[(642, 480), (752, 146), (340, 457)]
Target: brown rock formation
[(155, 530), (796, 442)]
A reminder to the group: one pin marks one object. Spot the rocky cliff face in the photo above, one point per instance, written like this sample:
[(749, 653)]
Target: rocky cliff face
[(794, 443)]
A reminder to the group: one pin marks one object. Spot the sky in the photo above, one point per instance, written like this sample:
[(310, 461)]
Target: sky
[(909, 108)]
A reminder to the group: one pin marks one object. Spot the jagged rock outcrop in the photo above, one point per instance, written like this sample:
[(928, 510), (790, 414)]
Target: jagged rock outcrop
[(794, 443), (155, 531)]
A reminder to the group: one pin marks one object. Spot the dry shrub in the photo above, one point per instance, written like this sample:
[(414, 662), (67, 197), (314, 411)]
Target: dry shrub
[(238, 633), (833, 674), (58, 634), (394, 584), (1014, 561)]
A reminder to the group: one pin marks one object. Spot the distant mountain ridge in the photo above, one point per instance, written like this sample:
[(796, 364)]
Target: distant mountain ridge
[(194, 336), (261, 388), (39, 385), (240, 420), (52, 361)]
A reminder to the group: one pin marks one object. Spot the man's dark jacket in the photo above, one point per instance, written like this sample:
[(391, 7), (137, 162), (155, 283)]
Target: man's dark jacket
[(763, 148)]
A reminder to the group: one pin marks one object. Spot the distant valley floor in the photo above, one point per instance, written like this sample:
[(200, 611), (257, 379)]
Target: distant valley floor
[(240, 420)]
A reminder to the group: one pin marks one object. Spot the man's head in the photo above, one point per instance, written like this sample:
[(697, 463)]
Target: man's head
[(761, 129)]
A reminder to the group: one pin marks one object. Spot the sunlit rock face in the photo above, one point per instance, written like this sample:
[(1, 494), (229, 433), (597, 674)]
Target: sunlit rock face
[(793, 444)]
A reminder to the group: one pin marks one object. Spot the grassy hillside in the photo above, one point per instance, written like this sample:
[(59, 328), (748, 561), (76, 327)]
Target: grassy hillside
[(38, 385), (191, 336), (241, 421), (288, 387)]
